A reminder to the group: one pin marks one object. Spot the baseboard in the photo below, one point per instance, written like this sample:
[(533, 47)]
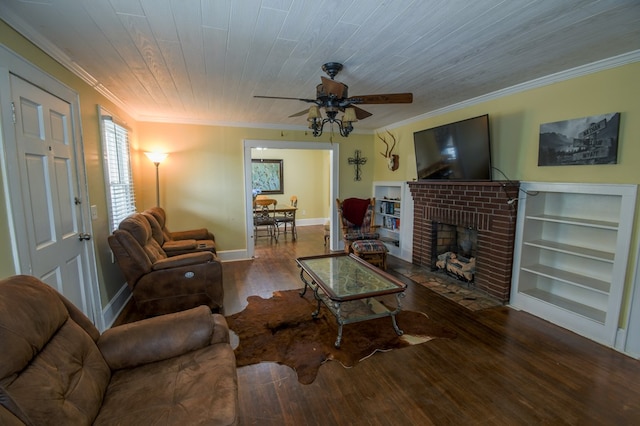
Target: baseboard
[(311, 221), (115, 306), (232, 255), (621, 344)]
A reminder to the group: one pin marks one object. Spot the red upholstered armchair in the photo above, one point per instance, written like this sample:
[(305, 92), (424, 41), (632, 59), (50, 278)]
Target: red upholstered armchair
[(357, 218)]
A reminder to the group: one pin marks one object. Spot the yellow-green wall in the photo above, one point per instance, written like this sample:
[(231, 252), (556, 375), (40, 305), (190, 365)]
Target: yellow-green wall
[(515, 123), (202, 181)]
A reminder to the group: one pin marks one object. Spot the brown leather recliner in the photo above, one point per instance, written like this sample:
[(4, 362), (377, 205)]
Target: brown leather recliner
[(162, 284), (56, 368), (179, 242)]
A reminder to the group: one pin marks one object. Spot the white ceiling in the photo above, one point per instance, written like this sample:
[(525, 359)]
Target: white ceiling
[(201, 61)]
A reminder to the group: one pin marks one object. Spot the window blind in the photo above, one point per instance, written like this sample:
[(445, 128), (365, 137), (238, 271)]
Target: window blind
[(120, 189)]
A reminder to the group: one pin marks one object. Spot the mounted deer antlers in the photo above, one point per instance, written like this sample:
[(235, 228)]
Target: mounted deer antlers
[(392, 159)]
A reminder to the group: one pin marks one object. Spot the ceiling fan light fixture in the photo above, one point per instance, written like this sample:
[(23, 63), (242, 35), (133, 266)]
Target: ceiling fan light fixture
[(314, 113), (333, 97), (316, 122), (349, 115)]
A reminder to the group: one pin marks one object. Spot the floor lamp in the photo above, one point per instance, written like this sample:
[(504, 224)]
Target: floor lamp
[(157, 158)]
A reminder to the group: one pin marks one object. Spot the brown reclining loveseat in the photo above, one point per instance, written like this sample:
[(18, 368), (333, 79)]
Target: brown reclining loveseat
[(161, 284), (56, 368), (178, 242)]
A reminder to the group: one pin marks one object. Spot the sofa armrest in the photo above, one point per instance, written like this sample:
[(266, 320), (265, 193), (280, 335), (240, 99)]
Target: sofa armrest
[(220, 330), (179, 245), (157, 338), (192, 234), (183, 260)]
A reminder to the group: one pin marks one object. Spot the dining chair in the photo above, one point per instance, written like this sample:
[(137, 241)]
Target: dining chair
[(288, 217), (264, 218)]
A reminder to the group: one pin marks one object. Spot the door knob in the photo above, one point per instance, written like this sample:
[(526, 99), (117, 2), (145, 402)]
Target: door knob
[(82, 236)]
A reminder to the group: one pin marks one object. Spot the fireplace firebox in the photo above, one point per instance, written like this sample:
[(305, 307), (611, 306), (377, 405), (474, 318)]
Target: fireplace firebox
[(487, 208), (454, 250)]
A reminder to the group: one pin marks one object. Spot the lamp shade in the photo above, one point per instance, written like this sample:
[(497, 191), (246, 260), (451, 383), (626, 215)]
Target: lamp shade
[(314, 112), (156, 157), (349, 115)]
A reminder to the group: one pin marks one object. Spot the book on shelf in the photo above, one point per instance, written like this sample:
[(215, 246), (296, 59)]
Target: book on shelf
[(390, 207), (391, 223)]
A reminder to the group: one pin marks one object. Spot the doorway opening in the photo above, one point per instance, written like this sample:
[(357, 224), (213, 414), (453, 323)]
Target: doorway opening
[(333, 150)]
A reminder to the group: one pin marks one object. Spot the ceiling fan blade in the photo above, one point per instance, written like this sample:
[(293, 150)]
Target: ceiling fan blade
[(391, 98), (360, 113), (298, 114), (333, 87), (280, 97)]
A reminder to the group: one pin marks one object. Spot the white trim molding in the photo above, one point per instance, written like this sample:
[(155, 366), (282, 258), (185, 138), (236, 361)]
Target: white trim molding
[(605, 64)]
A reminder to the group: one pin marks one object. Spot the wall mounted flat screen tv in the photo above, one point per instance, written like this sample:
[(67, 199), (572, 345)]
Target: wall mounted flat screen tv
[(455, 151)]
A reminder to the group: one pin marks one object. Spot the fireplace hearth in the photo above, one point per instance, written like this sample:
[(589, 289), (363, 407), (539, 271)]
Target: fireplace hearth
[(479, 206)]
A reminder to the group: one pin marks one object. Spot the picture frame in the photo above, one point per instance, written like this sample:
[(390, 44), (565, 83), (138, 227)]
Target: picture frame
[(581, 141), (267, 176)]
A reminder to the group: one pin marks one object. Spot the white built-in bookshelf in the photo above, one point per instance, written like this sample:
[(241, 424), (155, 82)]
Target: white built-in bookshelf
[(571, 254), (394, 217)]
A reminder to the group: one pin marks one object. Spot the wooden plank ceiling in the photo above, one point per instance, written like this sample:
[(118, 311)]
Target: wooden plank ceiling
[(201, 61)]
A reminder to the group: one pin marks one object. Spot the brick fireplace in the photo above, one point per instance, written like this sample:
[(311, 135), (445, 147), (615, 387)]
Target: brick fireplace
[(483, 206)]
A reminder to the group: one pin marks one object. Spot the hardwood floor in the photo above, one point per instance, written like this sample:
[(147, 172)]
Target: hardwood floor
[(505, 367)]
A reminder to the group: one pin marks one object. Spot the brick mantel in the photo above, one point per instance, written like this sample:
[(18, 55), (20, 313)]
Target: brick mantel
[(484, 206)]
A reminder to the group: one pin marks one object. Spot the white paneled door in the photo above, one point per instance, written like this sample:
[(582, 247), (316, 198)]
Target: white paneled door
[(48, 183)]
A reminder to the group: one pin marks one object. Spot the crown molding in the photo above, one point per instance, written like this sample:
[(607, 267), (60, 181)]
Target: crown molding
[(604, 64), (28, 32)]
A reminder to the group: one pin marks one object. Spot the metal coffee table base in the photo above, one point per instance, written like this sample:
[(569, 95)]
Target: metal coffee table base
[(348, 312)]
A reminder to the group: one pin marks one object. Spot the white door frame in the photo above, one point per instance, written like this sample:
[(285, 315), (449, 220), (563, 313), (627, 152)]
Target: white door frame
[(334, 149), (632, 331), (16, 65)]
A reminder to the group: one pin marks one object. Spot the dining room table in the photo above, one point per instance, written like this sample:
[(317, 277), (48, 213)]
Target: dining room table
[(281, 211)]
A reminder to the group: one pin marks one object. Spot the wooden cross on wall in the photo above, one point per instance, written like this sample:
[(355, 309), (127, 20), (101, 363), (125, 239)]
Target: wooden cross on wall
[(357, 161)]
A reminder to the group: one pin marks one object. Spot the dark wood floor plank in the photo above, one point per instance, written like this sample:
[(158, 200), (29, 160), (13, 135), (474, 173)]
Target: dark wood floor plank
[(504, 368)]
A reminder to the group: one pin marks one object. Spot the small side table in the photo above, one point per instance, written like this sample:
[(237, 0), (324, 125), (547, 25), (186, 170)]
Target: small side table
[(372, 251)]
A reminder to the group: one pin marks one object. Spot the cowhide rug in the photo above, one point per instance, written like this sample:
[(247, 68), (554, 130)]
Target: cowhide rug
[(281, 329)]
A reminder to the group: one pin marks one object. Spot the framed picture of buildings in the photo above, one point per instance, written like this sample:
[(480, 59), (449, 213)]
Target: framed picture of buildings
[(587, 140), (266, 176)]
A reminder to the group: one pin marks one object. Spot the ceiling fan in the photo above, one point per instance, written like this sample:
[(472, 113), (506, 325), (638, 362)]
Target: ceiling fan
[(333, 97)]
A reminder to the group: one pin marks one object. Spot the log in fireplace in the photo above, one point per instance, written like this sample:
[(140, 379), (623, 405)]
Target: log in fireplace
[(482, 206), (454, 250)]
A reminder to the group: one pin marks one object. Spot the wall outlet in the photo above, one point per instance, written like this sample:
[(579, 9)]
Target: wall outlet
[(304, 212)]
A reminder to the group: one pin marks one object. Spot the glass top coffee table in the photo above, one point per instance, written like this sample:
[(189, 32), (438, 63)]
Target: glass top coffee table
[(349, 288)]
